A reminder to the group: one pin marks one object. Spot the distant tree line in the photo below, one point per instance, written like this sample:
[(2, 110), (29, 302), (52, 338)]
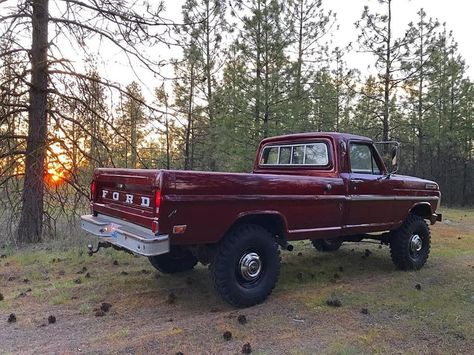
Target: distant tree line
[(248, 69)]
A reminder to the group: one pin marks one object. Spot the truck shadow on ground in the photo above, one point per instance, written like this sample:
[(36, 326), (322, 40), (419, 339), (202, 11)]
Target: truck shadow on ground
[(304, 267)]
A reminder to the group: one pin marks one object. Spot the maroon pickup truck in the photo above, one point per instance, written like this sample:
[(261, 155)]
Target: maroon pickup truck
[(329, 188)]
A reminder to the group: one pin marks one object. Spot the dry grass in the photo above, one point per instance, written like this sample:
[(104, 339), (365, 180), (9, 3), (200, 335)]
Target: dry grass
[(294, 320)]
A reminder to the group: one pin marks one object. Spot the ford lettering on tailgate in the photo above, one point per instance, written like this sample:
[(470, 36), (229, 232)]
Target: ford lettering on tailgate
[(124, 197)]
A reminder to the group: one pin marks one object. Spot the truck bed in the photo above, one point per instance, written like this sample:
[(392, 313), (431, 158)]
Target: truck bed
[(207, 203)]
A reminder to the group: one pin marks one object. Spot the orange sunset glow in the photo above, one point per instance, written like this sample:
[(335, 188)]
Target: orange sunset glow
[(57, 166)]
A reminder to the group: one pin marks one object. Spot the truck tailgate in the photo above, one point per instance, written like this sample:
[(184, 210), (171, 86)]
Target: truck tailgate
[(126, 194)]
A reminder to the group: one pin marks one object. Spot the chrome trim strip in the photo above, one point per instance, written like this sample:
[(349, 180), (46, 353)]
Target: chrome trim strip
[(208, 198), (324, 229), (369, 225), (391, 198), (212, 198)]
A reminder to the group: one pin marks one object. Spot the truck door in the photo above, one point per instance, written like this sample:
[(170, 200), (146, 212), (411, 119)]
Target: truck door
[(370, 195)]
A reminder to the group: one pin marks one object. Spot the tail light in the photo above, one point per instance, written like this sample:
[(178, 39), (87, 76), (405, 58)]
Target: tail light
[(157, 201), (154, 224), (92, 190)]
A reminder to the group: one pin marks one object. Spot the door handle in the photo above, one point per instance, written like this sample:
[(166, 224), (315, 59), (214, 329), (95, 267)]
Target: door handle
[(328, 187), (356, 181)]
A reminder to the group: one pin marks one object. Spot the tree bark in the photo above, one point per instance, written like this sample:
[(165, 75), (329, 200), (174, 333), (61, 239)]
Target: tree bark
[(421, 132), (299, 64), (210, 102), (167, 126), (258, 73), (134, 117), (30, 227), (386, 103), (187, 142)]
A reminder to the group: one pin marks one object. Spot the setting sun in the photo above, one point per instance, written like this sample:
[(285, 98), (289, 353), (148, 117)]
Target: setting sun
[(54, 177), (58, 166)]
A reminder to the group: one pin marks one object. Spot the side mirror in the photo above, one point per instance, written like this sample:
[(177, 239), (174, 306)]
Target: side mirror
[(390, 154), (395, 155)]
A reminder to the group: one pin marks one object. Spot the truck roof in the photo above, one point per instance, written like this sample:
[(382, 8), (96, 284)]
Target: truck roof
[(295, 136)]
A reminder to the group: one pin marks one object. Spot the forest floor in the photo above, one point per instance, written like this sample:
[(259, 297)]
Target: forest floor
[(382, 310)]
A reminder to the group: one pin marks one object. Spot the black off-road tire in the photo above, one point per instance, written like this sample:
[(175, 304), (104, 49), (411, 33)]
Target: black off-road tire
[(233, 269), (326, 245), (177, 260), (403, 243)]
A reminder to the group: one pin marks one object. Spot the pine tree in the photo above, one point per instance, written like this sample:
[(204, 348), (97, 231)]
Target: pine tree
[(376, 37), (446, 98), (131, 125), (368, 117), (206, 24), (309, 25), (418, 68), (262, 43), (185, 94), (235, 147)]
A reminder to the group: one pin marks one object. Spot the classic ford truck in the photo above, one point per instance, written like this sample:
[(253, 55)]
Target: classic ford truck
[(329, 188)]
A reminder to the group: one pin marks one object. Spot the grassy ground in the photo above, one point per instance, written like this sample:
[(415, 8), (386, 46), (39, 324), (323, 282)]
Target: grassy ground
[(429, 311)]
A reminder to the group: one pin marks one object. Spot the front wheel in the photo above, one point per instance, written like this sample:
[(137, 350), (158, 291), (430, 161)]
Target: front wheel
[(246, 265), (177, 260), (326, 245), (410, 244)]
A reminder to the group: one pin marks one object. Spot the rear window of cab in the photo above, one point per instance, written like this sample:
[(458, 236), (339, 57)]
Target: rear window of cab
[(314, 154)]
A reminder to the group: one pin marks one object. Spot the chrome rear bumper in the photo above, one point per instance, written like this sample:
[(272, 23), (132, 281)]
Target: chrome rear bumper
[(132, 237)]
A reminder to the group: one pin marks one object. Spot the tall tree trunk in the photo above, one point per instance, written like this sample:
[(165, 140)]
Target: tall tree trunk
[(187, 143), (167, 126), (338, 90), (266, 88), (134, 116), (210, 103), (386, 103), (420, 164), (94, 152), (30, 227), (258, 70), (299, 64)]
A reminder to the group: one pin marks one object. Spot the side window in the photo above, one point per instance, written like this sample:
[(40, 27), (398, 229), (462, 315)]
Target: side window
[(362, 159)]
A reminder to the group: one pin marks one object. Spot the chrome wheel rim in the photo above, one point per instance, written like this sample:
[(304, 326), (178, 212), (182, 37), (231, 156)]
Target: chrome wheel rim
[(250, 266), (416, 244)]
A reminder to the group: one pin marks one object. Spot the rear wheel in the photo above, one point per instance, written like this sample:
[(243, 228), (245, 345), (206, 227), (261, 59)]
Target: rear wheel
[(410, 244), (326, 245), (177, 260), (246, 265)]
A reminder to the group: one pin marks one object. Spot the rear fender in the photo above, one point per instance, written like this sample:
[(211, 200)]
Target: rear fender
[(274, 221)]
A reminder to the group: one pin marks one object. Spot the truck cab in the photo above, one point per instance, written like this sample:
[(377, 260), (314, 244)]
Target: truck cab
[(356, 188)]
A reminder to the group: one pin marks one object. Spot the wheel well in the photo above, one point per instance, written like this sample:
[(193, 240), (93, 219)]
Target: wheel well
[(274, 223), (422, 210)]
